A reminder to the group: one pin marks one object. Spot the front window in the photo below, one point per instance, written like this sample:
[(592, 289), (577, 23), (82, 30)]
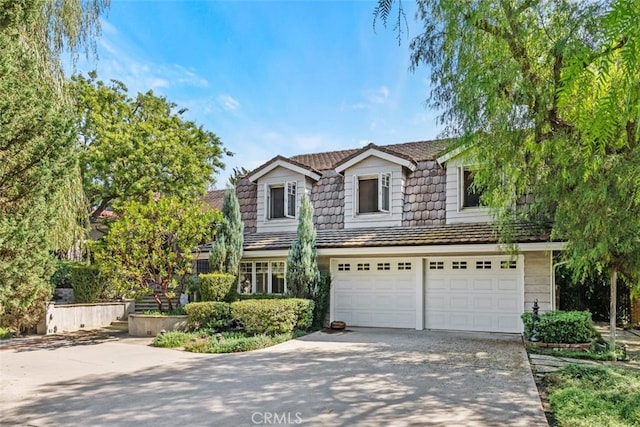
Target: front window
[(245, 278), (282, 200), (374, 193), (470, 194), (277, 277), (202, 266), (262, 277)]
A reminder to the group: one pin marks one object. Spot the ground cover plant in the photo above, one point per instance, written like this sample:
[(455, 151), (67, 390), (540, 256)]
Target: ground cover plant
[(594, 396)]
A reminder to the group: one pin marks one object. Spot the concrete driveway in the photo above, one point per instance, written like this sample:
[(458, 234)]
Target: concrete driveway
[(366, 377)]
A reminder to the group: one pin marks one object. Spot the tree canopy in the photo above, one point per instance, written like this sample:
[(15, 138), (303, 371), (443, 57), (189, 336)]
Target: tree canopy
[(131, 146), (149, 248), (226, 251), (40, 195), (302, 261), (547, 93)]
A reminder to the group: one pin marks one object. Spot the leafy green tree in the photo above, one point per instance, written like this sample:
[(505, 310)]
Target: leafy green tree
[(131, 146), (302, 262), (36, 150), (148, 250), (226, 251), (547, 94)]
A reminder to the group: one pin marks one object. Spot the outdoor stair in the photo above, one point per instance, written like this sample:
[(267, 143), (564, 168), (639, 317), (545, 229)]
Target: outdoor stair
[(119, 325), (147, 303)]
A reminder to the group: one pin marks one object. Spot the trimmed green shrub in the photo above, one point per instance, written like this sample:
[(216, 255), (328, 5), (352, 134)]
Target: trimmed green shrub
[(263, 296), (527, 321), (208, 315), (5, 333), (87, 283), (61, 277), (567, 327), (217, 286), (273, 316)]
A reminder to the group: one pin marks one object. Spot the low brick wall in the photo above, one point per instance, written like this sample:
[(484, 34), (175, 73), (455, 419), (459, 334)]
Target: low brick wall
[(148, 325), (62, 318)]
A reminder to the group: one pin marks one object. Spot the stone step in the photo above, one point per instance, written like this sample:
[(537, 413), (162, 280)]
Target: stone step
[(119, 325)]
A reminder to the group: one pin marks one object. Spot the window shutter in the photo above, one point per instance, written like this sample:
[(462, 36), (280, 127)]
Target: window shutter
[(267, 202), (354, 198)]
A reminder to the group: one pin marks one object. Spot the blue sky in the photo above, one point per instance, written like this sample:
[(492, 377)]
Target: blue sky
[(271, 77)]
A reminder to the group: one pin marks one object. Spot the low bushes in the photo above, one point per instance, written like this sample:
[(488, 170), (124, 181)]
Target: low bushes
[(208, 315), (231, 342), (87, 283), (217, 287), (567, 327), (274, 316)]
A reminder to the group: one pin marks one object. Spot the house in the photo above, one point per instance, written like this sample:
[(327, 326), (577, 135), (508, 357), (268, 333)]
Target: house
[(402, 233)]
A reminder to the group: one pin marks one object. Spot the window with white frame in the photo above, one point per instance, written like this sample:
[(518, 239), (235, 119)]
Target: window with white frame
[(373, 193), (281, 200), (469, 193), (262, 277)]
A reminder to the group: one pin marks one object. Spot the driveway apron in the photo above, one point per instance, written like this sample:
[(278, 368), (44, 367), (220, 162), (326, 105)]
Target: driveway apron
[(362, 377)]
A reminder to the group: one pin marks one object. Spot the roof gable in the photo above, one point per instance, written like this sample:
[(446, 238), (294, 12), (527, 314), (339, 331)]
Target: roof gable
[(375, 151), (283, 162)]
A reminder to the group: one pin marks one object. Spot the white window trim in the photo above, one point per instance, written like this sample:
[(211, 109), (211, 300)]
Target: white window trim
[(254, 274), (356, 193), (287, 185), (460, 191)]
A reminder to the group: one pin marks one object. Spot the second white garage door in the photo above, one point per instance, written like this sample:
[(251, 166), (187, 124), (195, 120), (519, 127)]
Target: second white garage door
[(378, 292), (474, 293)]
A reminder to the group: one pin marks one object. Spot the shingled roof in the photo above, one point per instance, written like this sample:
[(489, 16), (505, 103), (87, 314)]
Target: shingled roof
[(398, 236), (214, 199), (415, 151)]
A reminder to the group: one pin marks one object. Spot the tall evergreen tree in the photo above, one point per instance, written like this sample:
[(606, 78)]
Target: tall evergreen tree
[(302, 262), (226, 252), (37, 155)]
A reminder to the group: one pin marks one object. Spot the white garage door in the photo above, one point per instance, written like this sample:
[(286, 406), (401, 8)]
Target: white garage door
[(378, 292), (474, 293)]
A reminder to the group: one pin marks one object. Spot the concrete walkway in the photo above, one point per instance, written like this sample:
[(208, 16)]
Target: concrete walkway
[(367, 377)]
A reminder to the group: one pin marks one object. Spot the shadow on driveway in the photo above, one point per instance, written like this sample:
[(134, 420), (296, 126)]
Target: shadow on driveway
[(368, 377)]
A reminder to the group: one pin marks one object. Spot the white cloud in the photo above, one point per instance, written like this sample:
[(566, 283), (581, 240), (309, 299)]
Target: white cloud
[(372, 97), (228, 102)]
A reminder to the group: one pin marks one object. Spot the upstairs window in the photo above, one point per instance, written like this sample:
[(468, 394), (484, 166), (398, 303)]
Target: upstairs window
[(469, 194), (281, 201), (373, 193)]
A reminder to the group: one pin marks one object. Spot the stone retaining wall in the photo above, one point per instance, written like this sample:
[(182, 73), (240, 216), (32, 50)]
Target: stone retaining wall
[(62, 318)]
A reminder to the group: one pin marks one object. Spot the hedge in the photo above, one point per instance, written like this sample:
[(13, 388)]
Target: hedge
[(217, 286), (87, 283), (273, 316), (208, 315), (567, 327)]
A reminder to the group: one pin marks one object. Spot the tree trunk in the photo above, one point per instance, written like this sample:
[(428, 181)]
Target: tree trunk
[(612, 309)]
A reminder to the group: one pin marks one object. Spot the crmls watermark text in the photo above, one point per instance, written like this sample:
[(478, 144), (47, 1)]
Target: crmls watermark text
[(276, 418)]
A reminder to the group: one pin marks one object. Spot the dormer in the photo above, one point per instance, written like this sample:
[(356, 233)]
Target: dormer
[(463, 203), (281, 182), (374, 179)]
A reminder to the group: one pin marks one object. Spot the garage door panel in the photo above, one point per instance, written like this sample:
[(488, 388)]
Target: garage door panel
[(484, 285), (376, 298), (491, 301)]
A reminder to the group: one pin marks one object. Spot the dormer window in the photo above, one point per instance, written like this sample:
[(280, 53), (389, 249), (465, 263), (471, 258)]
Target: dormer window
[(373, 193), (282, 200), (469, 194)]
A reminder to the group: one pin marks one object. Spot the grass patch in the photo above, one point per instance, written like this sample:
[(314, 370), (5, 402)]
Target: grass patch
[(594, 396), (174, 339), (235, 342), (601, 353), (5, 333)]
